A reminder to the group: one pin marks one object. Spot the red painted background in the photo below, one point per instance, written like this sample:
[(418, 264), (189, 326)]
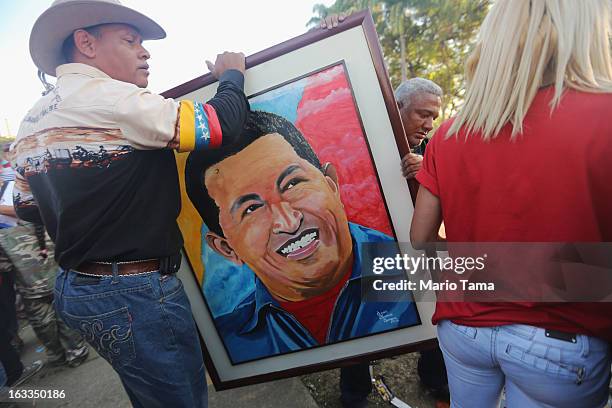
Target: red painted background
[(327, 117)]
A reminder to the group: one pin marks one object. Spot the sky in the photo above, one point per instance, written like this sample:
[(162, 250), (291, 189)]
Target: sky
[(197, 30)]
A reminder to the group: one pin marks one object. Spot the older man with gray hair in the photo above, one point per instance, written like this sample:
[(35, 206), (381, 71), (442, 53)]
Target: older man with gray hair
[(419, 101)]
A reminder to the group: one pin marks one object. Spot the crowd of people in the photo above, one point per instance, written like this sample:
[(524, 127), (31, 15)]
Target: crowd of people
[(28, 269), (94, 252)]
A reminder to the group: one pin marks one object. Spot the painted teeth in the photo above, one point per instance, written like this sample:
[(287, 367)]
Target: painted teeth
[(305, 240)]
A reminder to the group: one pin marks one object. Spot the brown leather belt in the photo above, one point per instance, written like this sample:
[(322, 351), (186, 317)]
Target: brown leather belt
[(126, 268)]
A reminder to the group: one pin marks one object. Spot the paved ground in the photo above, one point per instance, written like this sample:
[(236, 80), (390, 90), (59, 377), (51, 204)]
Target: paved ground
[(400, 375), (95, 385)]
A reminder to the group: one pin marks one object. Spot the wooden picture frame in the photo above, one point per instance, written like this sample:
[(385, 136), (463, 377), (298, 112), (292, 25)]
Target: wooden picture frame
[(353, 48)]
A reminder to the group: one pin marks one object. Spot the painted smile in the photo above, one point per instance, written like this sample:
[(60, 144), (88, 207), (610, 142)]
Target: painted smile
[(301, 246)]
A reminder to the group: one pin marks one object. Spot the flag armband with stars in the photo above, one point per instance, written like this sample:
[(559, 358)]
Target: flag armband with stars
[(199, 127)]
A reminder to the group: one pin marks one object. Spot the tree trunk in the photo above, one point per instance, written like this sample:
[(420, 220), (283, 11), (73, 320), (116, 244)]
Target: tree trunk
[(403, 56)]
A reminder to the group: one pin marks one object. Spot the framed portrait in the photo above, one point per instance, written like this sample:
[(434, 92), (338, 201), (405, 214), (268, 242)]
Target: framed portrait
[(275, 226)]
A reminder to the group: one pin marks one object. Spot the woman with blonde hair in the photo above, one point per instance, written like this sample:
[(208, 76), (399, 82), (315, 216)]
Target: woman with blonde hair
[(527, 159)]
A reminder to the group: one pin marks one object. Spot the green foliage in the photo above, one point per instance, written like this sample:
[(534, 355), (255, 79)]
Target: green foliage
[(422, 38)]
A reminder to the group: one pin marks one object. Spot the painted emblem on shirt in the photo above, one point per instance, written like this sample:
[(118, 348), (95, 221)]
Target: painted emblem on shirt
[(63, 148)]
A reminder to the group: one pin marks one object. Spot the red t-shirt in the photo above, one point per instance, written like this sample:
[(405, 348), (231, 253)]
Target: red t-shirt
[(315, 313), (552, 184)]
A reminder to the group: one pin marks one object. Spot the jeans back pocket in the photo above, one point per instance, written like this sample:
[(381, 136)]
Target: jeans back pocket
[(467, 331), (546, 365), (109, 333)]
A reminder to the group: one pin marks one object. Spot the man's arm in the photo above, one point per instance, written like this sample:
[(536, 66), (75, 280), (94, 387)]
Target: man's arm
[(8, 210), (411, 164), (232, 103), (224, 114), (25, 206), (149, 121)]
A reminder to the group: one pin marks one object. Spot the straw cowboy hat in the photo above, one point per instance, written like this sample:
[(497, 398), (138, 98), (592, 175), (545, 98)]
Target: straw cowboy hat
[(65, 16)]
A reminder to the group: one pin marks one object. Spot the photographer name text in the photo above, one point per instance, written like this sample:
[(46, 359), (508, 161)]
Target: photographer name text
[(405, 284)]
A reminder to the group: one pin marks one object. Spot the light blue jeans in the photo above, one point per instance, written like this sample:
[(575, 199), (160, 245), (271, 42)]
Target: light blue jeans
[(537, 371)]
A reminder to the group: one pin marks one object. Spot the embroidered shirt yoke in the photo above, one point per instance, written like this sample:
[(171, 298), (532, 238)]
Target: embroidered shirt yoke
[(92, 159)]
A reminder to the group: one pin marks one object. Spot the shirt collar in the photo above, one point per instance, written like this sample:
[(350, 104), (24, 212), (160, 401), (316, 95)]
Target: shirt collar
[(78, 68), (263, 298)]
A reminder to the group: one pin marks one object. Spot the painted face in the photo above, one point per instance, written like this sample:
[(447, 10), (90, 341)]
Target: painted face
[(120, 54), (418, 117), (283, 217)]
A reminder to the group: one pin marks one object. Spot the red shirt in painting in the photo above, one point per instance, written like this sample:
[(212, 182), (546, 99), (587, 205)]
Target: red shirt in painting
[(552, 184), (315, 313)]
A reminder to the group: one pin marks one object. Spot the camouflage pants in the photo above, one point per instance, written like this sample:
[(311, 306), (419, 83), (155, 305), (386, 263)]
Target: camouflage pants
[(51, 331), (19, 254)]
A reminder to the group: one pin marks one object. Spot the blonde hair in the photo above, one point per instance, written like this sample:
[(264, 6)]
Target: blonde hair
[(526, 44)]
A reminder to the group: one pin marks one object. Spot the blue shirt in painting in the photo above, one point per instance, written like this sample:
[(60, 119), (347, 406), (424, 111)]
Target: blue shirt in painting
[(258, 327)]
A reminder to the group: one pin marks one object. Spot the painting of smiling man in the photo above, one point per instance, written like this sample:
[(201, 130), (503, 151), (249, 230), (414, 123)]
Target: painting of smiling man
[(282, 229)]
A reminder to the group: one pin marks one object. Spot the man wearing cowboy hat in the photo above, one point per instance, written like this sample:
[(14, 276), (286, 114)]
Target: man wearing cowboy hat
[(94, 160)]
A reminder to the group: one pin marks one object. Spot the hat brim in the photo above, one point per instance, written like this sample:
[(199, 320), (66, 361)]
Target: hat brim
[(55, 25)]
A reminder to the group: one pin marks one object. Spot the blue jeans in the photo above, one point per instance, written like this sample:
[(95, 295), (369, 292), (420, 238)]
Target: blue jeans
[(143, 326), (537, 371)]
